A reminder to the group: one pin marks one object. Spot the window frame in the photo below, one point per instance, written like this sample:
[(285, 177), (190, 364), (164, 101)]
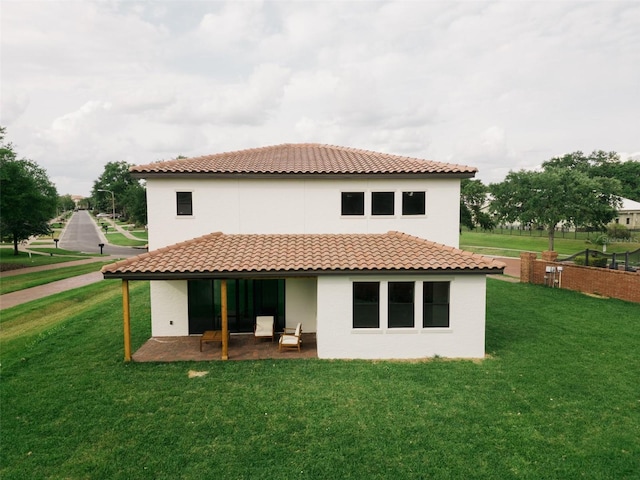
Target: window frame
[(405, 205), (428, 307), (182, 203), (361, 195), (356, 305), (395, 307), (373, 203)]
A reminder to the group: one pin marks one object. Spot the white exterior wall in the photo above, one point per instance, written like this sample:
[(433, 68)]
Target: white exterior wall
[(336, 338), (295, 205), (300, 303), (169, 308)]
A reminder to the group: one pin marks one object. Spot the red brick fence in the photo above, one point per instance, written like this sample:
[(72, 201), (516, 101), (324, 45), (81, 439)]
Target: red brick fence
[(594, 280)]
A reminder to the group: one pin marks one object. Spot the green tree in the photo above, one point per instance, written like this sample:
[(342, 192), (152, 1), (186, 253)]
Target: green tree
[(473, 200), (127, 192), (66, 203), (603, 165), (555, 195), (28, 199)]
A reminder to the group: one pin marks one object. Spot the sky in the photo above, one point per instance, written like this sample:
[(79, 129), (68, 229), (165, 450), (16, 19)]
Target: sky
[(497, 85)]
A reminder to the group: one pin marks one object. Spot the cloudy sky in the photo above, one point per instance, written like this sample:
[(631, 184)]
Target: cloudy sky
[(496, 85)]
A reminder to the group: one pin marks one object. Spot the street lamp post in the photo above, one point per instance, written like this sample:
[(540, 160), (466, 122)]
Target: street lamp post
[(113, 205)]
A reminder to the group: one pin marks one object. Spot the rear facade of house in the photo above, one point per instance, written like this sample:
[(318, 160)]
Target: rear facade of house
[(337, 205)]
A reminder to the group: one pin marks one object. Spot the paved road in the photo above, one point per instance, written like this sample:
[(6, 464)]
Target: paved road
[(82, 235)]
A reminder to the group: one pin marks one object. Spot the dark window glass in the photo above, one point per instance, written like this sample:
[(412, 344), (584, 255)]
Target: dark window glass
[(436, 304), (413, 203), (366, 305), (382, 203), (401, 304), (185, 205), (352, 203)]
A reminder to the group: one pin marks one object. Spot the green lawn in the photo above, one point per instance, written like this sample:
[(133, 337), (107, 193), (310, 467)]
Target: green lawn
[(115, 238), (19, 282), (559, 397), (36, 260), (512, 245)]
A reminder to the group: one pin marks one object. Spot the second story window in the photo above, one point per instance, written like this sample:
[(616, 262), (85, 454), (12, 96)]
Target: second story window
[(184, 203), (352, 203), (382, 203), (413, 203)]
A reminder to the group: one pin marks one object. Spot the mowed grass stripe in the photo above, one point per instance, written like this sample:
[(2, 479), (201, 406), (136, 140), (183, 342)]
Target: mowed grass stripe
[(24, 323), (15, 283)]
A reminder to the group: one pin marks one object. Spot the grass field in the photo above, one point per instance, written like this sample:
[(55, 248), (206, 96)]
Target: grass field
[(19, 282), (119, 239), (558, 397), (43, 258), (512, 245)]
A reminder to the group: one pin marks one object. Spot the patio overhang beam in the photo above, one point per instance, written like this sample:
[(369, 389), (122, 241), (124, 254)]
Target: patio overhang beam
[(295, 274)]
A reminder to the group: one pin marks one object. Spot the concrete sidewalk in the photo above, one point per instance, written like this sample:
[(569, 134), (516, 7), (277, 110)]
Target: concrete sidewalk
[(29, 294), (12, 299)]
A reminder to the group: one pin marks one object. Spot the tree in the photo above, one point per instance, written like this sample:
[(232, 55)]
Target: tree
[(129, 194), (556, 194), (604, 165), (473, 200), (28, 199), (66, 203)]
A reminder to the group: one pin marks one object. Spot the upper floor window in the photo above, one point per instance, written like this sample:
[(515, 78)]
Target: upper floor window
[(413, 203), (184, 203), (352, 203), (382, 203), (366, 304), (436, 304)]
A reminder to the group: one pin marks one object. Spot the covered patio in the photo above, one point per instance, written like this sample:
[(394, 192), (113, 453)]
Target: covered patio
[(240, 347)]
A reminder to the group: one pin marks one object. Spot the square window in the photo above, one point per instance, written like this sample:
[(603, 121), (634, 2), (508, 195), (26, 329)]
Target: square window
[(413, 203), (352, 203), (401, 311), (366, 305), (436, 304), (382, 203), (184, 203)]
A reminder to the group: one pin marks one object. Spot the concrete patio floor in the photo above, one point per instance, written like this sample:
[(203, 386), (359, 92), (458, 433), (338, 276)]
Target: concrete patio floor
[(241, 347)]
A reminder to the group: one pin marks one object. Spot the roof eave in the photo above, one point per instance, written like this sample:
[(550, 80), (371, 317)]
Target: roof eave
[(294, 273), (265, 175)]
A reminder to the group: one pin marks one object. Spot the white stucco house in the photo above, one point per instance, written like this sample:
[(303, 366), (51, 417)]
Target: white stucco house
[(360, 247), (629, 214)]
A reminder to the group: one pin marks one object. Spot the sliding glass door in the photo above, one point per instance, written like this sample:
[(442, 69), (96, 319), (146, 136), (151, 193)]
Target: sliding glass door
[(246, 299)]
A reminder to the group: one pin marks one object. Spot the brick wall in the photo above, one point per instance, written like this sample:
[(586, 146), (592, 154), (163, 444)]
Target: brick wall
[(599, 281)]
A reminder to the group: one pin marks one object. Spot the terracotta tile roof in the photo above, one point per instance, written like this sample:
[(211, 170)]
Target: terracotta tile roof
[(300, 254), (301, 159)]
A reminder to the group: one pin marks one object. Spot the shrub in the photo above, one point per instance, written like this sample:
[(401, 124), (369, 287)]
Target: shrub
[(619, 231)]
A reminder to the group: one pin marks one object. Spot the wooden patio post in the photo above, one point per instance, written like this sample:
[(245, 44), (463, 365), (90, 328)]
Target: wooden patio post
[(127, 320), (225, 320)]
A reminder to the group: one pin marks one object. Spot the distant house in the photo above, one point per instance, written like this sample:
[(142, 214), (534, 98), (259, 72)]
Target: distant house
[(358, 246), (629, 214)]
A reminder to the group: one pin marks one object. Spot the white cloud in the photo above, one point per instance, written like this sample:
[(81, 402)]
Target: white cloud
[(498, 85)]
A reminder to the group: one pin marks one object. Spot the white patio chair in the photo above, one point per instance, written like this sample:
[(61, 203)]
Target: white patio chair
[(291, 338), (264, 327)]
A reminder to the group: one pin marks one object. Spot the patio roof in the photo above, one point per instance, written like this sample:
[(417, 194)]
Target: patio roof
[(301, 159), (295, 255)]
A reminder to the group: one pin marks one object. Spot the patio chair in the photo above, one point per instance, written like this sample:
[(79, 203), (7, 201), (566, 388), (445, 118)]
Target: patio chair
[(264, 327), (291, 338)]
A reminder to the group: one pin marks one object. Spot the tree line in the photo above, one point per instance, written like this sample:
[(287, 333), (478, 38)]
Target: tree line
[(573, 190)]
